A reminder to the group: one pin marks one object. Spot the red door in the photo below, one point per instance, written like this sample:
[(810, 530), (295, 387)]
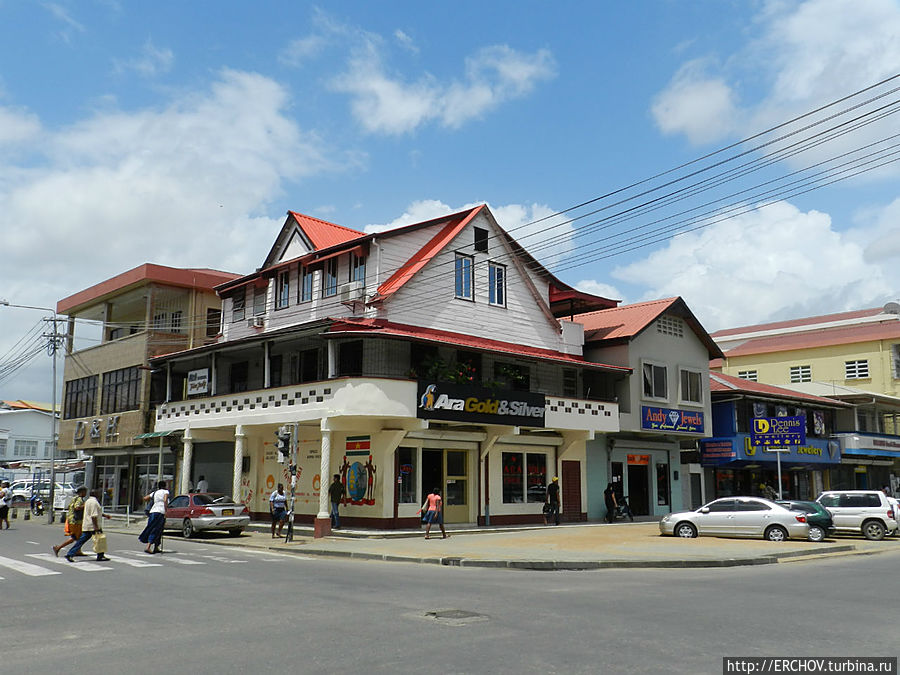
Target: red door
[(571, 491)]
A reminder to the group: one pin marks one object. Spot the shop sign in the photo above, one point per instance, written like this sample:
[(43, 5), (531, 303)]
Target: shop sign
[(638, 460), (813, 451), (872, 445), (96, 429), (778, 432), (717, 451), (462, 403), (198, 381), (671, 419)]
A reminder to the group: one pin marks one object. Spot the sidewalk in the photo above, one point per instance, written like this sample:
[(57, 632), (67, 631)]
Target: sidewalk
[(568, 547)]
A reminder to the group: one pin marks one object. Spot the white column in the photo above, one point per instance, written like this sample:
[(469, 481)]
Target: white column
[(239, 438), (186, 461), (267, 368), (323, 518)]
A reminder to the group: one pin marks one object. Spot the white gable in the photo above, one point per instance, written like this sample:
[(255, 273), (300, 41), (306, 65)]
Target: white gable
[(295, 247)]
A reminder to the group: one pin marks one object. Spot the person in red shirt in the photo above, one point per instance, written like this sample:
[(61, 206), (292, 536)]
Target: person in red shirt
[(434, 512)]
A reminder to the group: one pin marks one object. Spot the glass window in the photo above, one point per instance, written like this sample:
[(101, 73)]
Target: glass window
[(497, 284), (357, 268), (691, 387), (329, 280), (239, 376), (213, 321), (655, 385), (464, 272), (306, 284), (81, 397), (22, 448), (536, 464), (237, 305), (721, 505), (407, 478), (747, 375), (513, 478), (350, 358), (662, 484), (179, 502), (283, 298), (305, 366), (856, 370), (830, 500), (752, 506), (259, 301), (481, 239), (121, 390)]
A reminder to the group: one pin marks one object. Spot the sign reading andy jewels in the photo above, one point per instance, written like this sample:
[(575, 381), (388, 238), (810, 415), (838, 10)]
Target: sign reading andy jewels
[(462, 403), (671, 419)]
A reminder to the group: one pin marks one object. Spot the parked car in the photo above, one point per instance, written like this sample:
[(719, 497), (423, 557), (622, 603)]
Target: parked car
[(23, 489), (820, 522), (738, 517), (202, 511), (866, 512)]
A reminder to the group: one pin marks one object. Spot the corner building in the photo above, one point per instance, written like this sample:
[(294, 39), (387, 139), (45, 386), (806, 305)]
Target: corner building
[(431, 355)]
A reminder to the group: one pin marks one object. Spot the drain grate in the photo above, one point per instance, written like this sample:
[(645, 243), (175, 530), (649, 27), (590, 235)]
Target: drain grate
[(455, 617)]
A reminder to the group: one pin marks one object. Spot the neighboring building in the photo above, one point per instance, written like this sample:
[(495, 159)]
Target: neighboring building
[(664, 406), (734, 466), (431, 355), (146, 311), (26, 443)]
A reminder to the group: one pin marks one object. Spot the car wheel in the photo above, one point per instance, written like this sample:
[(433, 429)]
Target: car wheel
[(685, 531), (776, 533), (873, 530), (816, 533), (187, 529), (236, 532)]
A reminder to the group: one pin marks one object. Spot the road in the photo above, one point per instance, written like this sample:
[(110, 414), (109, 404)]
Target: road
[(204, 608)]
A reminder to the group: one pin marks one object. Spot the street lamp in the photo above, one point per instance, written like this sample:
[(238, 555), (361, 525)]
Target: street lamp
[(53, 407)]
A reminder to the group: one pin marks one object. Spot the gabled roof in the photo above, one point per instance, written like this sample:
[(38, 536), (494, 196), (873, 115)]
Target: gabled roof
[(843, 335), (323, 234), (384, 328), (719, 383), (623, 323), (810, 322)]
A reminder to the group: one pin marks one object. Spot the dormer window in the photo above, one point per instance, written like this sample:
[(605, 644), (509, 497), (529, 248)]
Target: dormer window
[(358, 268), (464, 273), (283, 297)]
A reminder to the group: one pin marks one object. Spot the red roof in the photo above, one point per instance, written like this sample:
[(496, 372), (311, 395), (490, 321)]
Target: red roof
[(624, 321), (389, 329), (719, 382), (205, 279), (810, 321), (455, 224), (323, 234), (822, 337)]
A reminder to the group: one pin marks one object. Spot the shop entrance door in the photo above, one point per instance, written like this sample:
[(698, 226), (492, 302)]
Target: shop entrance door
[(638, 478), (448, 470)]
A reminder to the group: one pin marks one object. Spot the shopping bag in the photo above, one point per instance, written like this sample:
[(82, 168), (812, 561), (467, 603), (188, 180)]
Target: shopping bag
[(99, 541), (66, 527)]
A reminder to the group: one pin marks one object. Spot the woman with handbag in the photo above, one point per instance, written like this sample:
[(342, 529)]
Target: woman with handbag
[(156, 520), (74, 514)]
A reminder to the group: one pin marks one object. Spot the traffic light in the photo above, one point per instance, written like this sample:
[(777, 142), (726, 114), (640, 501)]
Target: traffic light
[(283, 443)]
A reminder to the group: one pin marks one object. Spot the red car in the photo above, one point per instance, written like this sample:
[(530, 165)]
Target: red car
[(206, 511)]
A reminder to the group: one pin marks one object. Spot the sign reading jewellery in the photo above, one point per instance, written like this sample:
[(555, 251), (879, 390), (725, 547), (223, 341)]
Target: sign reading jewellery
[(671, 419), (462, 403)]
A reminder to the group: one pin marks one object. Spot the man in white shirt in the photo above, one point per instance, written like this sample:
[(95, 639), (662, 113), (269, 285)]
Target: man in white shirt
[(90, 525), (202, 484)]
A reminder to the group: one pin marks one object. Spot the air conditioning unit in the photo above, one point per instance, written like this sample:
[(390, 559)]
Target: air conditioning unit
[(352, 292), (256, 322)]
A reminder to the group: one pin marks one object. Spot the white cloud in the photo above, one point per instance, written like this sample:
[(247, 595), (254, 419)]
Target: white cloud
[(18, 127), (599, 288), (388, 103), (70, 25), (776, 262), (405, 41), (151, 62), (302, 50)]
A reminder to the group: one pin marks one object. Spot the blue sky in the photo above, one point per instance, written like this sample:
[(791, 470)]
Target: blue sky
[(180, 133)]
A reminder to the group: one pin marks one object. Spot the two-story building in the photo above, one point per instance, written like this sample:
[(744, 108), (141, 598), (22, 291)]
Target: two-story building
[(430, 355), (124, 321), (664, 405)]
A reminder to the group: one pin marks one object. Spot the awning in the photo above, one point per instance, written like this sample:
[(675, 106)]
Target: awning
[(157, 434)]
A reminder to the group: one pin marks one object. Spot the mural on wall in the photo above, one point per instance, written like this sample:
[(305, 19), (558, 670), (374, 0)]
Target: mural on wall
[(358, 475)]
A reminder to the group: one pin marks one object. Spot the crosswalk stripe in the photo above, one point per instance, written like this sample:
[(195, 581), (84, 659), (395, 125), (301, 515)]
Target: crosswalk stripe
[(84, 566), (133, 563), (27, 568), (167, 557), (219, 558)]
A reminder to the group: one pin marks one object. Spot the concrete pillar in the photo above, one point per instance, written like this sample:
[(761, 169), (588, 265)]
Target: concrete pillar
[(186, 461), (323, 518), (239, 439)]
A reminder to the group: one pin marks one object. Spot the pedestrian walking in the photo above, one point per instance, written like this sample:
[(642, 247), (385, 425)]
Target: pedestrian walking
[(156, 518), (609, 499), (5, 503), (277, 504), (336, 494), (434, 512), (202, 484), (553, 501), (90, 525), (74, 516)]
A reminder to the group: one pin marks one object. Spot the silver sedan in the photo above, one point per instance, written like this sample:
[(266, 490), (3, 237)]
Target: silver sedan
[(738, 517)]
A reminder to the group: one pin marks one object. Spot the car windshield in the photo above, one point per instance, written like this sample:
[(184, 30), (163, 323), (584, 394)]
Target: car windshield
[(212, 499)]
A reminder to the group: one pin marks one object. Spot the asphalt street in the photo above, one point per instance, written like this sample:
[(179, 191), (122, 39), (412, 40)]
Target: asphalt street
[(204, 608)]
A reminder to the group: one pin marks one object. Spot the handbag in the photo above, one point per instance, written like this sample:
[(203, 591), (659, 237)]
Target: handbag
[(99, 541), (547, 507)]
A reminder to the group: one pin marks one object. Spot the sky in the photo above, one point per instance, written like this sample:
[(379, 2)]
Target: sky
[(181, 133)]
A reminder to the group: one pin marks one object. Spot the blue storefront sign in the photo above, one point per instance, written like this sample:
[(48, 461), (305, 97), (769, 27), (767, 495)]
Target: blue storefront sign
[(671, 419), (778, 431), (740, 449)]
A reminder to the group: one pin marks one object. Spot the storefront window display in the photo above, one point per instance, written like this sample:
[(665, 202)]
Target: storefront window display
[(407, 477), (524, 470)]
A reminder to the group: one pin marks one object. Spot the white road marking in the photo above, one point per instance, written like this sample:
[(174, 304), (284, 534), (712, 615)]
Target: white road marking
[(84, 566), (36, 543), (27, 568), (167, 557), (219, 558), (133, 563)]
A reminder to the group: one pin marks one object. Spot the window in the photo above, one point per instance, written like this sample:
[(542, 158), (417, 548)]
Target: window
[(48, 447), (350, 358), (407, 479), (721, 505), (159, 321), (276, 362), (513, 375), (283, 298), (856, 370), (239, 377), (801, 374), (747, 505), (358, 268), (306, 284), (81, 397), (175, 321), (662, 484), (524, 477), (213, 321), (25, 448), (468, 367), (481, 239), (237, 305), (747, 375), (329, 281), (497, 284), (670, 325), (305, 366), (2, 447), (570, 382), (464, 270), (655, 384), (895, 349), (179, 502), (691, 386), (121, 390), (259, 301)]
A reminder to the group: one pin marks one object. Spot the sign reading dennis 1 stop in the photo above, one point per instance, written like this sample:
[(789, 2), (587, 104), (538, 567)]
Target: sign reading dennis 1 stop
[(778, 432)]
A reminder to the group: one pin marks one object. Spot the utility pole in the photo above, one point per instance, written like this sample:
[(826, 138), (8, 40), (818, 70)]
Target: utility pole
[(293, 469), (53, 346)]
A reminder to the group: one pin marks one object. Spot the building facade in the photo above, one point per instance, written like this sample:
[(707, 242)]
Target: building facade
[(106, 409)]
